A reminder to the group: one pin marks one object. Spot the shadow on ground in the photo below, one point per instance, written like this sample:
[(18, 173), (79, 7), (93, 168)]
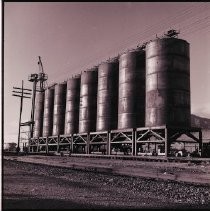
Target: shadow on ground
[(38, 203)]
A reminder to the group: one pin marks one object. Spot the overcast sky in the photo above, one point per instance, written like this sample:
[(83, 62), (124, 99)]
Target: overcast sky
[(71, 37)]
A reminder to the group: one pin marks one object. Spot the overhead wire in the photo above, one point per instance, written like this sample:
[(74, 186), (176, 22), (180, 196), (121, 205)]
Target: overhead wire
[(153, 27), (193, 26), (184, 15), (90, 60), (147, 31), (197, 30), (158, 26)]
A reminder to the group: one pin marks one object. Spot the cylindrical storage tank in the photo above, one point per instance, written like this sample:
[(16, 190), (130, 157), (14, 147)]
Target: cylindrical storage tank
[(107, 96), (72, 105), (168, 83), (88, 101), (48, 111), (131, 105), (38, 114), (59, 109)]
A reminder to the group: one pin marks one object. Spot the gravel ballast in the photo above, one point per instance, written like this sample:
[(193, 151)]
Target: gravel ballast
[(27, 185)]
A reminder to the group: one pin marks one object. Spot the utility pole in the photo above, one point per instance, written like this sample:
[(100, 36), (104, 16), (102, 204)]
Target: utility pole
[(39, 80), (22, 93), (33, 78)]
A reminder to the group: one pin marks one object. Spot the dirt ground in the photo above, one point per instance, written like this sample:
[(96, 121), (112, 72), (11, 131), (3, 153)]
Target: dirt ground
[(30, 186), (181, 172)]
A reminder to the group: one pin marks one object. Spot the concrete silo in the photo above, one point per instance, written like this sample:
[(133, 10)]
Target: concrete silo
[(107, 97), (38, 118), (168, 83), (88, 101), (131, 105), (48, 111), (59, 109), (72, 105)]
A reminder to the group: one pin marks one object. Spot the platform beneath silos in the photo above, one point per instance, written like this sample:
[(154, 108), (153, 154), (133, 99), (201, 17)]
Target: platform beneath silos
[(133, 141)]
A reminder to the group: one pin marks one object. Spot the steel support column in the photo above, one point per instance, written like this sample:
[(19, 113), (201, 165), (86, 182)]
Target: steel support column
[(58, 139), (88, 144), (72, 143), (108, 143), (167, 142), (134, 144), (47, 150), (37, 144)]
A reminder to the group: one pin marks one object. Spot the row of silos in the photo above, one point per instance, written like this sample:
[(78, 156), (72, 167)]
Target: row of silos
[(138, 89)]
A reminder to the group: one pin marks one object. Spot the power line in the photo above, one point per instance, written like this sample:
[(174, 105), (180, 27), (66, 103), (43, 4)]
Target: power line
[(91, 59), (198, 29), (193, 11), (157, 26), (20, 94), (152, 29)]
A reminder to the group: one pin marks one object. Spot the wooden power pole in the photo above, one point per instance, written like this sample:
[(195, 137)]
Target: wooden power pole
[(22, 93)]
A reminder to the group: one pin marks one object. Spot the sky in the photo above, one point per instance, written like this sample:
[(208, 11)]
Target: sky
[(71, 37)]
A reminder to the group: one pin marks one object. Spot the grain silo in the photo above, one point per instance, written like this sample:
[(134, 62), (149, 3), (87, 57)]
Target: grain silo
[(107, 97), (88, 101), (72, 105), (48, 111), (131, 105), (59, 109), (39, 110), (167, 83)]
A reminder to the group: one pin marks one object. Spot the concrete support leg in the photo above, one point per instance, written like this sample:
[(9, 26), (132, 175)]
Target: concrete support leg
[(109, 143), (58, 141), (37, 145), (166, 142), (72, 142), (47, 149), (88, 144), (133, 143)]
